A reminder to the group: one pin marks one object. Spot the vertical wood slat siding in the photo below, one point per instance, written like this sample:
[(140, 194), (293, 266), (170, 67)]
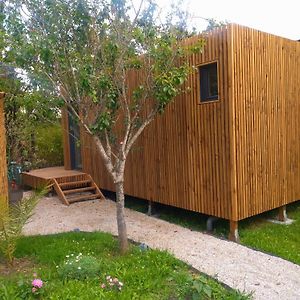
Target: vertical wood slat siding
[(3, 163), (182, 158), (267, 120), (232, 158)]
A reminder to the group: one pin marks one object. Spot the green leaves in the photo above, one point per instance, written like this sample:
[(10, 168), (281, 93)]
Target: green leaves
[(103, 122), (201, 289), (167, 85), (12, 222), (112, 65)]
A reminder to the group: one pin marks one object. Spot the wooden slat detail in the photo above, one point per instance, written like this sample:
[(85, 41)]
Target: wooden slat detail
[(3, 162), (94, 185), (83, 198), (79, 190), (267, 120), (182, 158), (73, 184), (231, 158), (59, 192)]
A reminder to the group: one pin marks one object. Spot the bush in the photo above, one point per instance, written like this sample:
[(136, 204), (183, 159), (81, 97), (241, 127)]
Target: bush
[(79, 267), (49, 148)]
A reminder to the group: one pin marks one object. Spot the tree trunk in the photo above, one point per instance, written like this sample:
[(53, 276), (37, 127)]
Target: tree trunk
[(122, 231)]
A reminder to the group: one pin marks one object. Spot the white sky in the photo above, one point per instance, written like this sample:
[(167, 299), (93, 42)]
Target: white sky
[(279, 17)]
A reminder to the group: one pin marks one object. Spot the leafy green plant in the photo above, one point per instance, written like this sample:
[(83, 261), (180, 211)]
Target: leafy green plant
[(79, 267), (12, 221), (49, 148), (28, 289), (201, 289)]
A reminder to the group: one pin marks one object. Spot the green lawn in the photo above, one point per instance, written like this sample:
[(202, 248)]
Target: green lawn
[(145, 274), (255, 232), (280, 240)]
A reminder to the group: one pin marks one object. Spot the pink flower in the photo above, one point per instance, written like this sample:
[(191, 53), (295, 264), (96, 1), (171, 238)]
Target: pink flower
[(115, 280), (103, 286), (34, 290), (37, 283)]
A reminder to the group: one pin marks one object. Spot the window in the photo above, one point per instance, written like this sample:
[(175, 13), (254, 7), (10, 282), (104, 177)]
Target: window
[(208, 82)]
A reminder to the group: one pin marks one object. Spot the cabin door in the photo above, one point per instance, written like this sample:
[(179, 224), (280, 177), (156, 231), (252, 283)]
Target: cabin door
[(74, 140)]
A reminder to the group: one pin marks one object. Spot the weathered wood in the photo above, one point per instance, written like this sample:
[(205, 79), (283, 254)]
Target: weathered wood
[(234, 231), (84, 198), (59, 192), (76, 183), (79, 185), (282, 216), (231, 158), (94, 185), (3, 162), (42, 177), (79, 190)]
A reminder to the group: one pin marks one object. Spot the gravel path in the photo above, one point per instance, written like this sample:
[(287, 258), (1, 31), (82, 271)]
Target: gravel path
[(269, 277)]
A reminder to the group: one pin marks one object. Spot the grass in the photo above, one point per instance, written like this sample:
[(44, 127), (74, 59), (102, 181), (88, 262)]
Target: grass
[(280, 240), (149, 274), (255, 232)]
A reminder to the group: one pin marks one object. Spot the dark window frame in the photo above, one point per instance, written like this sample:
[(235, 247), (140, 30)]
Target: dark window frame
[(209, 91)]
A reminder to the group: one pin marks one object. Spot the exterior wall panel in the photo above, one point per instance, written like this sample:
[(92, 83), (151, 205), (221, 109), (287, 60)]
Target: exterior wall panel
[(3, 163), (232, 158), (267, 120), (182, 158)]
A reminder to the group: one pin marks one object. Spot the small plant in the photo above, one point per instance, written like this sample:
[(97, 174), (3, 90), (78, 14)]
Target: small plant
[(201, 289), (12, 221), (37, 284), (30, 288), (79, 267), (112, 284)]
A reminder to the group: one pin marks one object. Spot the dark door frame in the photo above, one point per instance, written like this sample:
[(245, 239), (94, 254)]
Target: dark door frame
[(74, 143)]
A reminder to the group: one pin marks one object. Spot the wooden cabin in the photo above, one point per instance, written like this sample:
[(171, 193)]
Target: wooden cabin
[(3, 163), (228, 148)]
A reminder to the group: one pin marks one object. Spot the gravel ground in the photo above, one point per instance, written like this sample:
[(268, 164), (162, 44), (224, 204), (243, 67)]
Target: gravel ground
[(268, 277)]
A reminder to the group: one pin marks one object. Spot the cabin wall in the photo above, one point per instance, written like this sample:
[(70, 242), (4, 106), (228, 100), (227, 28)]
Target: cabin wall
[(3, 163), (183, 158), (266, 97)]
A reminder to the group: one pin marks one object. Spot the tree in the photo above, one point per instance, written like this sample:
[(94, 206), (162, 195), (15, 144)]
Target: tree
[(88, 50), (212, 24), (25, 107)]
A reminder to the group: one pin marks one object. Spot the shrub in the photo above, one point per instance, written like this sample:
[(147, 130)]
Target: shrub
[(79, 267), (49, 148)]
